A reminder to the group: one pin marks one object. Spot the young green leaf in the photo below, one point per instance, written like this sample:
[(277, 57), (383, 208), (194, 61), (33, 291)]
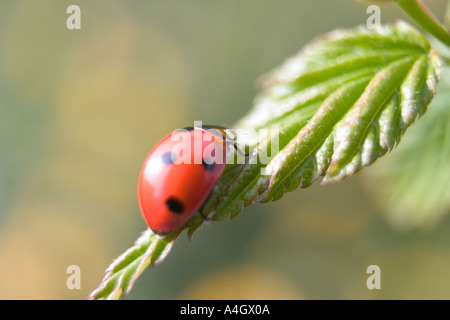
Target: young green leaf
[(341, 103), (338, 105), (121, 275), (416, 178)]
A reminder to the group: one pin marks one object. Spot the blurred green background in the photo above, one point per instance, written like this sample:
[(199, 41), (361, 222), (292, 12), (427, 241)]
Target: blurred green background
[(80, 110)]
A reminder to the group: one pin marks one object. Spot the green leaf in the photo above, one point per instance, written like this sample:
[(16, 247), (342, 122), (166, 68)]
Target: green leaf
[(121, 275), (340, 103), (337, 106), (416, 178)]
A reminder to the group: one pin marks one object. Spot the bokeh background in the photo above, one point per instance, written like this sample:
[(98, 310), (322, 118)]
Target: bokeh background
[(80, 110)]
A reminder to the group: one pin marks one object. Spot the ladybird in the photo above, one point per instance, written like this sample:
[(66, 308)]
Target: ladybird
[(179, 174)]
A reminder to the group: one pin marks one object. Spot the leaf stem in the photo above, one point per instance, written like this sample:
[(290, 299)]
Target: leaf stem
[(420, 14)]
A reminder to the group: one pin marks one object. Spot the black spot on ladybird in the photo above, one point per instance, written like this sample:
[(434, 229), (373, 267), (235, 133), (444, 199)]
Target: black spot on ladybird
[(168, 158), (208, 166), (174, 205)]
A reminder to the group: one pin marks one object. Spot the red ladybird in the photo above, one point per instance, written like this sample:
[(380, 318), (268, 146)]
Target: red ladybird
[(179, 174)]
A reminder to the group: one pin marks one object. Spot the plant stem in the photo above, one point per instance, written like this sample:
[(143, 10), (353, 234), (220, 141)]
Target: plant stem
[(419, 13)]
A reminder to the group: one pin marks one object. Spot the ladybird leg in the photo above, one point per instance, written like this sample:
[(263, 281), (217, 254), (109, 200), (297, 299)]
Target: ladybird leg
[(204, 216), (252, 153), (239, 151)]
